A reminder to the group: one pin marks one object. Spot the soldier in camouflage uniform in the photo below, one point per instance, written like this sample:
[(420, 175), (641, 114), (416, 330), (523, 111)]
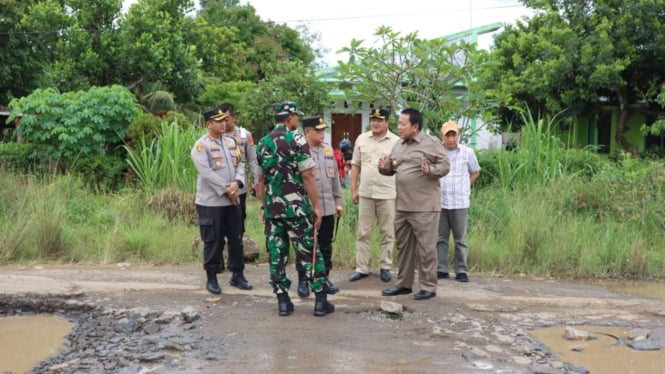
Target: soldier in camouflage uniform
[(287, 190), (221, 175)]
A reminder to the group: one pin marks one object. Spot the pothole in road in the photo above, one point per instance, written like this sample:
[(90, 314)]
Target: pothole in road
[(95, 339), (604, 349)]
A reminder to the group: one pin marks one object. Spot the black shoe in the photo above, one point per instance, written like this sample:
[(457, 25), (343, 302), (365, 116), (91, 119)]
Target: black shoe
[(303, 288), (355, 276), (213, 287), (238, 280), (385, 275), (322, 306), (462, 277), (424, 295), (442, 275), (303, 284), (332, 289), (284, 304), (396, 290)]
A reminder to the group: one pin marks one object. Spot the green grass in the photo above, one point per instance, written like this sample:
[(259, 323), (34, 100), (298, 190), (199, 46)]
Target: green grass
[(543, 211)]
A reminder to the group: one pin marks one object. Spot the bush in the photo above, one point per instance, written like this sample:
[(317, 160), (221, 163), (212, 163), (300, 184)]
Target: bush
[(582, 162), (16, 157), (101, 173), (175, 205), (74, 124), (146, 125), (149, 127)]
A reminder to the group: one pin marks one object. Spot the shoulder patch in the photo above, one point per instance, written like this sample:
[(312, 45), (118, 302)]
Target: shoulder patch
[(199, 147)]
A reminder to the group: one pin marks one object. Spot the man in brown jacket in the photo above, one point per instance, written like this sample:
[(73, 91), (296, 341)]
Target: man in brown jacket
[(418, 161)]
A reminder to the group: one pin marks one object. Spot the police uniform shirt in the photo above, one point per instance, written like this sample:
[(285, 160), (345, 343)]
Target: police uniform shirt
[(218, 164), (245, 142), (328, 185)]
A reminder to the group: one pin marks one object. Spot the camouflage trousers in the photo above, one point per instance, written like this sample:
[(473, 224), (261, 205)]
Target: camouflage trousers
[(300, 232)]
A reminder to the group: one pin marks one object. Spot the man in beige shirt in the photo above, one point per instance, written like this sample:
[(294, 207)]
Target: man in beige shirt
[(418, 161), (374, 193)]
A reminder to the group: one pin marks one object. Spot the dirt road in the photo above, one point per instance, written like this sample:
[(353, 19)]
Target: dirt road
[(478, 327)]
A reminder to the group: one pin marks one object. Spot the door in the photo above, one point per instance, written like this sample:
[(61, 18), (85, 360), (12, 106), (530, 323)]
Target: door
[(345, 124)]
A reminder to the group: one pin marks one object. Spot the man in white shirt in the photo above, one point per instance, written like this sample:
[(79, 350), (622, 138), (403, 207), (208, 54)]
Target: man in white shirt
[(455, 202)]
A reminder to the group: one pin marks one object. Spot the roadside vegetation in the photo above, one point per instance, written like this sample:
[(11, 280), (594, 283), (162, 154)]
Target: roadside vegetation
[(94, 154), (539, 209)]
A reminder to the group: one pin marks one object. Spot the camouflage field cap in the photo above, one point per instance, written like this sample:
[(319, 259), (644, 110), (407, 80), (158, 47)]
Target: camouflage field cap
[(286, 107)]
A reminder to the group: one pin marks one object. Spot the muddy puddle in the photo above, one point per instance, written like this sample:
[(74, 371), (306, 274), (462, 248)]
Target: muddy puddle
[(606, 354), (654, 290), (25, 341)]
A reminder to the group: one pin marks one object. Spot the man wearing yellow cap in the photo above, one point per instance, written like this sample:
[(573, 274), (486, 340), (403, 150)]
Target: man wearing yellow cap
[(455, 202)]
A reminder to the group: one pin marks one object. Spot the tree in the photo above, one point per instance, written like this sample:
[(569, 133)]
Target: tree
[(286, 81), (155, 49), (575, 55), (435, 76), (256, 44), (24, 53), (87, 49)]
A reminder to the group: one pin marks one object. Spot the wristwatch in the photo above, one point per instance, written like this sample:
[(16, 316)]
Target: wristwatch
[(240, 184)]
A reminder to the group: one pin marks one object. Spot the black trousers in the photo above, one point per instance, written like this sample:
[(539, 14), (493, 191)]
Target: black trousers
[(324, 240), (218, 224), (243, 211), (325, 237)]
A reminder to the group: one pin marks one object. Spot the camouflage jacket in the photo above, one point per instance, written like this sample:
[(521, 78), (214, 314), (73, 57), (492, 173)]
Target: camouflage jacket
[(281, 157)]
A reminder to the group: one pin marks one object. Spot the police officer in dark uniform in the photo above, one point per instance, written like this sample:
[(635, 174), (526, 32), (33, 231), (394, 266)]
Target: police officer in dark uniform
[(221, 175), (287, 188), (331, 199)]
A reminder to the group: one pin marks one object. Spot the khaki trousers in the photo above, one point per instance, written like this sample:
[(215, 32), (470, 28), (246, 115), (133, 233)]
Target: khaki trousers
[(416, 234), (383, 211)]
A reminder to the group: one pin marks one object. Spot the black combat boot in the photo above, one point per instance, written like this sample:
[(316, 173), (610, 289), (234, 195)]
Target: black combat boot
[(284, 304), (238, 280), (322, 306), (303, 285), (332, 289), (212, 286)]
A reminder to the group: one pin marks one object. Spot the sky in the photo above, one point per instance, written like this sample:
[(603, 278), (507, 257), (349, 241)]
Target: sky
[(337, 22)]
